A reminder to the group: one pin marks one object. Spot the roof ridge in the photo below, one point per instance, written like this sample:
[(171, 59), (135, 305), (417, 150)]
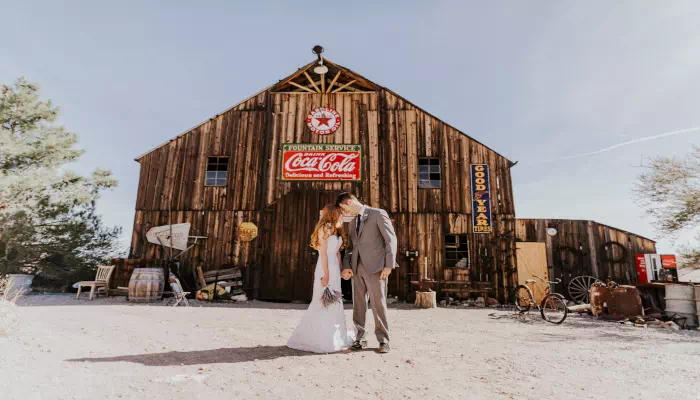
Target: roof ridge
[(300, 71), (590, 220)]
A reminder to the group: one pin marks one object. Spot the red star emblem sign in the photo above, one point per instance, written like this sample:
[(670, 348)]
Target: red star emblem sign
[(323, 120)]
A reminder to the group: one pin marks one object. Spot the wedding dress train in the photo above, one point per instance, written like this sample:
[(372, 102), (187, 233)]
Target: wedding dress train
[(323, 329)]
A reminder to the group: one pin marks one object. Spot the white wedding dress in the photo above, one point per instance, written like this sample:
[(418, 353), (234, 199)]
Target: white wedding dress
[(323, 329)]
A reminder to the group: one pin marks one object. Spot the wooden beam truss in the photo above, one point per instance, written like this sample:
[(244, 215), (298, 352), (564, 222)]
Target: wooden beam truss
[(340, 82)]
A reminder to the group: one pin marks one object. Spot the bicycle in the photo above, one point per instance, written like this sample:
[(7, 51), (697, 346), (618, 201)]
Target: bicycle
[(552, 307)]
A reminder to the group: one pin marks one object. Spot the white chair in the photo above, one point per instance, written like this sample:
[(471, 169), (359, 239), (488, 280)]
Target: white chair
[(104, 273)]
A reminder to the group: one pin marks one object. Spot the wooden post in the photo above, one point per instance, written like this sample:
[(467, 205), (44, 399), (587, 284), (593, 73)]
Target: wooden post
[(200, 277)]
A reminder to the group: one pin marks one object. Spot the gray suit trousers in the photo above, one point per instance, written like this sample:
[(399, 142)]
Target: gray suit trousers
[(368, 286)]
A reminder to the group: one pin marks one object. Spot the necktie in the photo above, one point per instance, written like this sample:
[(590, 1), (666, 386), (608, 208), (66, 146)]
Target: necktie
[(357, 225)]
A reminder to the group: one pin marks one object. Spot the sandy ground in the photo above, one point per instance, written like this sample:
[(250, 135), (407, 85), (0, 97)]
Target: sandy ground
[(109, 349)]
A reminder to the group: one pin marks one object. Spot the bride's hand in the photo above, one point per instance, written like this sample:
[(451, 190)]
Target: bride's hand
[(324, 280)]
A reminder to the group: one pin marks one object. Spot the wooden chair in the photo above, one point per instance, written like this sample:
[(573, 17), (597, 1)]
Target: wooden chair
[(104, 273)]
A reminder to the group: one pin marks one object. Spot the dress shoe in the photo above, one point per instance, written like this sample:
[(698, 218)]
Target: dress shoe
[(359, 345), (383, 348)]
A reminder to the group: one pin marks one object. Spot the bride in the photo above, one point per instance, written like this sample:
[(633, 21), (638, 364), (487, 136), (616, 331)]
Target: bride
[(323, 329)]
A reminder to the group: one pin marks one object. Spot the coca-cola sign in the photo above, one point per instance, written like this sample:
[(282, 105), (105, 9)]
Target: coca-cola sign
[(321, 162)]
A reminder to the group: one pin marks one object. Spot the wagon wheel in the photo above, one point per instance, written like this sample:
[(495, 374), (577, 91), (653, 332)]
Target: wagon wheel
[(579, 288)]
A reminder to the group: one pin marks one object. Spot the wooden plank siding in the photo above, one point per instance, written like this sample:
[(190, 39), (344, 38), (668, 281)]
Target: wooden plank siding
[(393, 133), (592, 258)]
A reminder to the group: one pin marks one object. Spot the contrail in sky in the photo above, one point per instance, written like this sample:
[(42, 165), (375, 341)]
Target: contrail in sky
[(642, 139)]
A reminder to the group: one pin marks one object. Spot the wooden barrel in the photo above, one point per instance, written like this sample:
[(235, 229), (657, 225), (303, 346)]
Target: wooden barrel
[(146, 285)]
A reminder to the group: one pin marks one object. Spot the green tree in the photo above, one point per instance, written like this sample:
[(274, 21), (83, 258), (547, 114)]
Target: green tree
[(48, 223), (669, 192)]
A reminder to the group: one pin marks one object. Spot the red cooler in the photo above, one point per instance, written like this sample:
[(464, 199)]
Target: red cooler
[(641, 269)]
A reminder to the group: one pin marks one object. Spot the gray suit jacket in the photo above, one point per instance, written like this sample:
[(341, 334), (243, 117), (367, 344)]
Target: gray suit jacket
[(375, 244)]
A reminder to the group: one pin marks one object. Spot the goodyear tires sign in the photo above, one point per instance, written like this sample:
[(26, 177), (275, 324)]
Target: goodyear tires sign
[(481, 199)]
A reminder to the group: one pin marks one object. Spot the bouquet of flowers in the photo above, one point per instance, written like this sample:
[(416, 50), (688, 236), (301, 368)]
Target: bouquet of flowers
[(330, 296)]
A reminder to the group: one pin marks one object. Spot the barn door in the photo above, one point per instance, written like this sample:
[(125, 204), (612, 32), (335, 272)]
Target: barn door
[(273, 275), (305, 265), (289, 262), (532, 260), (308, 204)]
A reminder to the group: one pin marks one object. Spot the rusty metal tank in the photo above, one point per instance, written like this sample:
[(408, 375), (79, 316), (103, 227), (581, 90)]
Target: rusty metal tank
[(615, 300)]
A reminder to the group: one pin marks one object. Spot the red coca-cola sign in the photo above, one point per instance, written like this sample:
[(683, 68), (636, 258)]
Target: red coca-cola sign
[(321, 162)]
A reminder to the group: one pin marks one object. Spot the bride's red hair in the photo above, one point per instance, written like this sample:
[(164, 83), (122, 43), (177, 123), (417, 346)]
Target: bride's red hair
[(327, 226)]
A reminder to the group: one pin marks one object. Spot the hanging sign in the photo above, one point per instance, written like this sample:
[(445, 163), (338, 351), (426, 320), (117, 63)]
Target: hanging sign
[(481, 199), (668, 261), (321, 162), (323, 120), (247, 231)]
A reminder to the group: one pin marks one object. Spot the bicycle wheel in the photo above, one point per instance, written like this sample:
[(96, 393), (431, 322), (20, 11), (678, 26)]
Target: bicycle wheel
[(522, 298), (553, 309)]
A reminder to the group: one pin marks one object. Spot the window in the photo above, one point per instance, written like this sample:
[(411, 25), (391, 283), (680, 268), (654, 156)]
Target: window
[(216, 171), (456, 251), (429, 173)]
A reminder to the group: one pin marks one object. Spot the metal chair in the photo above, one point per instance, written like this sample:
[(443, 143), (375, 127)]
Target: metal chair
[(179, 295)]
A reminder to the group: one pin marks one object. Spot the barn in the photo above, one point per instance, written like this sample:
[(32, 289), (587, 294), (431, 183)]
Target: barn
[(275, 159), (572, 249)]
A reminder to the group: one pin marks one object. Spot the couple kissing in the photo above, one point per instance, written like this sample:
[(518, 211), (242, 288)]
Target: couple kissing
[(369, 260)]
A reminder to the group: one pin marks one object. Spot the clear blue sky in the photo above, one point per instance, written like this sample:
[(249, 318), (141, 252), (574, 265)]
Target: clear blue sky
[(534, 80)]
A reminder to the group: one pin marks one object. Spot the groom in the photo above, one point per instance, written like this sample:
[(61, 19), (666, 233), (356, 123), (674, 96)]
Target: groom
[(369, 261)]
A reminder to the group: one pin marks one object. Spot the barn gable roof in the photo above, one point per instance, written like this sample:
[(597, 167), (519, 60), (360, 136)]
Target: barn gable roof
[(338, 79)]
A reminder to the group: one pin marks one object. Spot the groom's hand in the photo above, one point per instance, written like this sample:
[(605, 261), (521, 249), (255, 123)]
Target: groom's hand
[(346, 274), (385, 273)]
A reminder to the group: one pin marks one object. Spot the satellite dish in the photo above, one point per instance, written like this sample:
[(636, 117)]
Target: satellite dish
[(161, 235), (551, 231)]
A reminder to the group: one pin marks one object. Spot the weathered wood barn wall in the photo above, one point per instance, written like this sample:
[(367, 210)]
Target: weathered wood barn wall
[(586, 248), (279, 262)]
